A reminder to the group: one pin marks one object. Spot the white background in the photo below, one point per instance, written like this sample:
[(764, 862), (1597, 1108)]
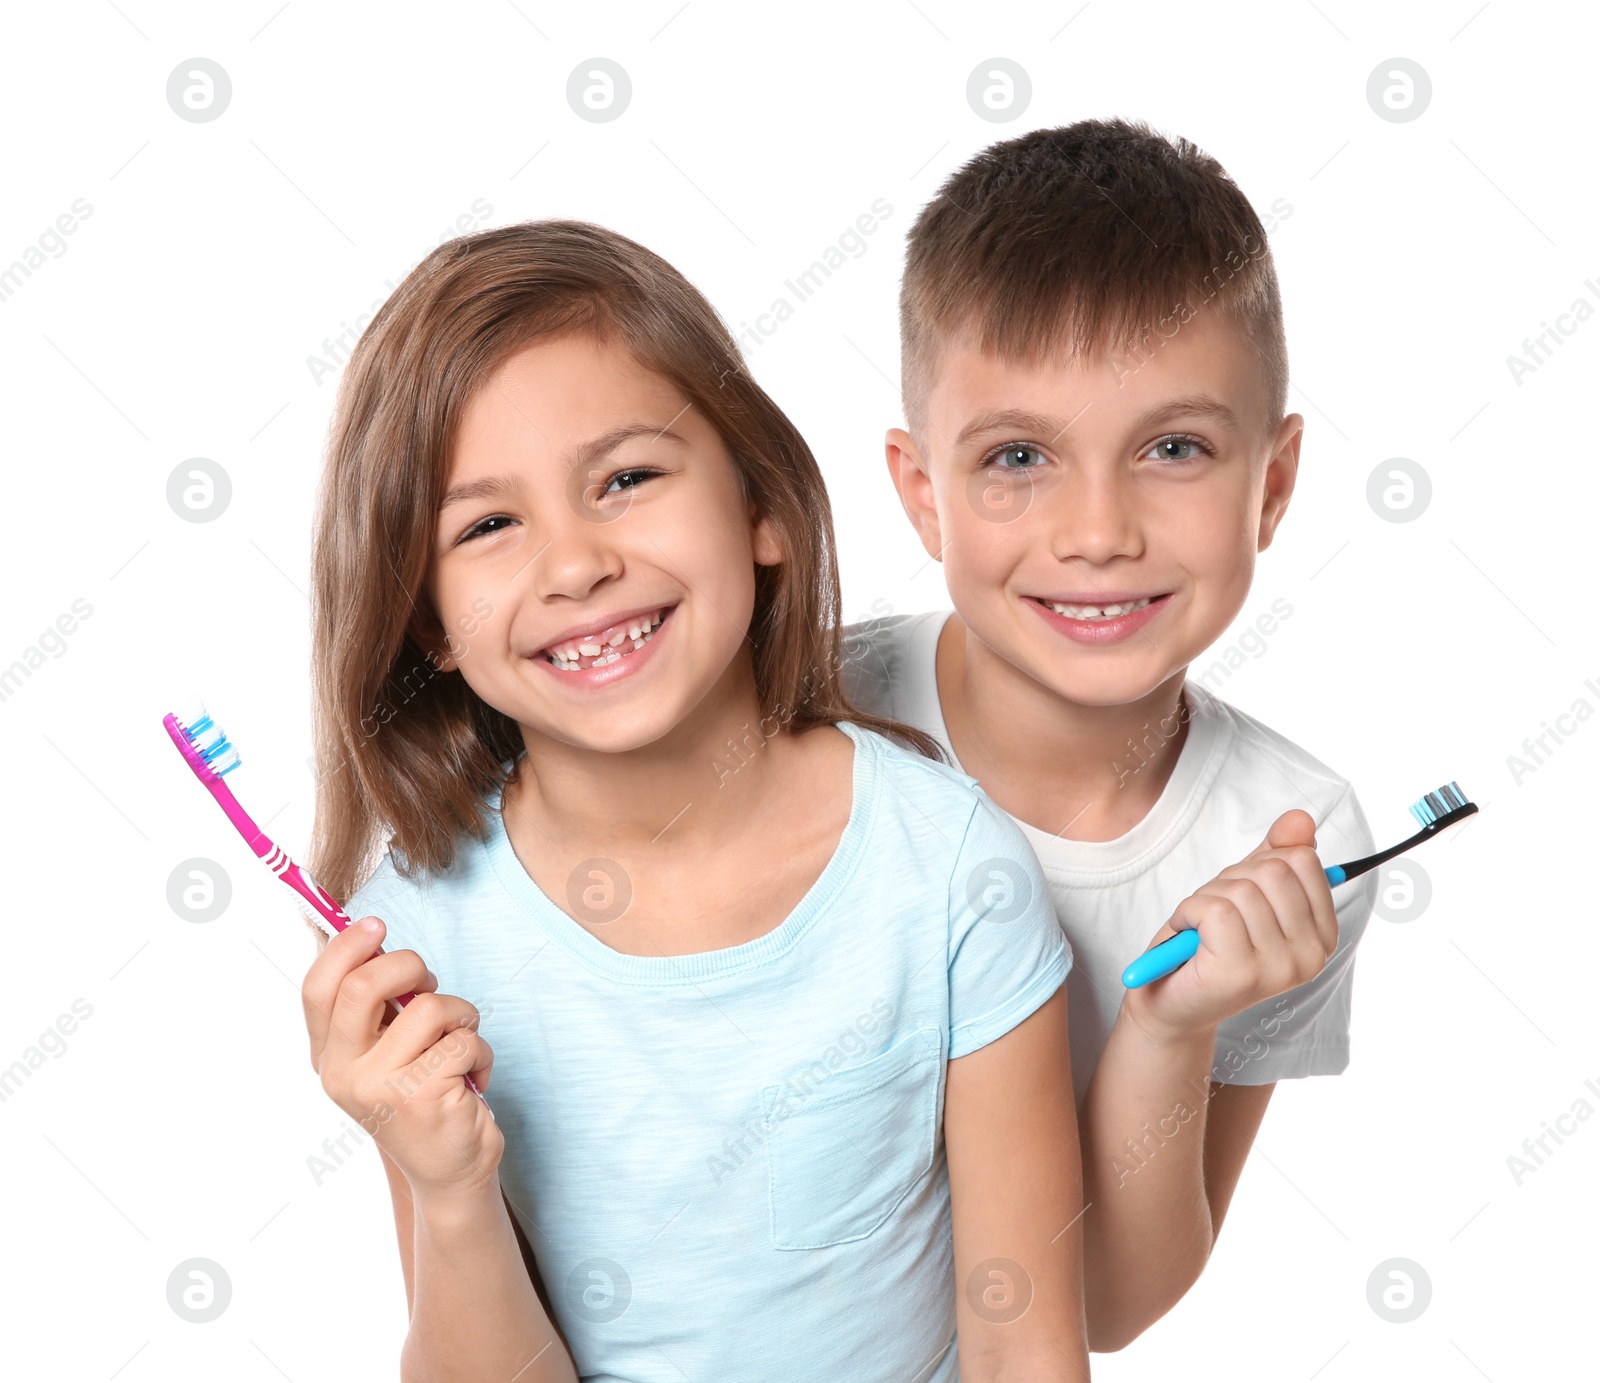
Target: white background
[(218, 256)]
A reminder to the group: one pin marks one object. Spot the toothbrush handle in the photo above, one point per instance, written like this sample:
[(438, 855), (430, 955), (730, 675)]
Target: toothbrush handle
[(1161, 960), (1175, 950)]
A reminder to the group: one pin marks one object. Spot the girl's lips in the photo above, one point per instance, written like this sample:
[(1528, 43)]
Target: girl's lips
[(1101, 631), (631, 660)]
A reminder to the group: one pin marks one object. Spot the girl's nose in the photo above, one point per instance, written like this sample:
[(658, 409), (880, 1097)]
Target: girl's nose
[(579, 553)]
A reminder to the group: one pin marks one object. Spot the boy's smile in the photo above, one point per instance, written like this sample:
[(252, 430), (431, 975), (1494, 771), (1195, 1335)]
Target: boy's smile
[(1098, 522)]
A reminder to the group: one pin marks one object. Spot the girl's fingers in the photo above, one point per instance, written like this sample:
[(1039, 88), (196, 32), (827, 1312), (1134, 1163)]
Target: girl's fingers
[(426, 1021), (320, 988), (461, 1052), (361, 1004)]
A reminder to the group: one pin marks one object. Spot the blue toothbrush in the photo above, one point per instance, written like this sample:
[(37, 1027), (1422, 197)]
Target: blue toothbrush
[(1435, 811)]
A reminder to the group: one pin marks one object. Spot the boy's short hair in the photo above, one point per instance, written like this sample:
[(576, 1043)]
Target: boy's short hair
[(1079, 241)]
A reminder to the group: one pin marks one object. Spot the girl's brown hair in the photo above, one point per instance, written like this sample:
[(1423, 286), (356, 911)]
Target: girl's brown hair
[(403, 746)]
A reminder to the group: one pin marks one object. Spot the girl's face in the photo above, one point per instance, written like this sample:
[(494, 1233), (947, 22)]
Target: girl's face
[(593, 565)]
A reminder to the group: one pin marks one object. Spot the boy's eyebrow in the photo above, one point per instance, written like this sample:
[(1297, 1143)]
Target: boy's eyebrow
[(1038, 425), (1192, 406), (1010, 420), (488, 487)]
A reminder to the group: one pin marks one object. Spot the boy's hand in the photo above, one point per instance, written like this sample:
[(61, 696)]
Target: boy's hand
[(401, 1080), (1266, 925)]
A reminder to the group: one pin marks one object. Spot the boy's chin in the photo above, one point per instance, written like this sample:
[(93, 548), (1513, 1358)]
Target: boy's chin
[(1105, 691), (1097, 677)]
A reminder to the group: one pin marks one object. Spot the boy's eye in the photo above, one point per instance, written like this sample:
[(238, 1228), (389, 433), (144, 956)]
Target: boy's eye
[(1015, 456), (1179, 447)]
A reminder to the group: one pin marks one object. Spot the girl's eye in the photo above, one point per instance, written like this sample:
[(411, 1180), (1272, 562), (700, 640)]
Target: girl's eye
[(482, 527), (1179, 448), (1015, 456), (628, 479)]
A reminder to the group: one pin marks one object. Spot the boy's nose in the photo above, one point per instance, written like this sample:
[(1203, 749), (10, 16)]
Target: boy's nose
[(1096, 519)]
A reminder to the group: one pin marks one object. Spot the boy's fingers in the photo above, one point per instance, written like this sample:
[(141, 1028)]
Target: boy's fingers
[(1222, 928), (1277, 959), (1294, 827), (1283, 884), (1314, 880), (320, 988)]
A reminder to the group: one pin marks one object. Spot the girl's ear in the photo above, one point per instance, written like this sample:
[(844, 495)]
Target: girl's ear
[(765, 542), (425, 632)]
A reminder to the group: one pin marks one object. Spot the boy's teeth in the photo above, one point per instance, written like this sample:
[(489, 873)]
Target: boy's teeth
[(1092, 612)]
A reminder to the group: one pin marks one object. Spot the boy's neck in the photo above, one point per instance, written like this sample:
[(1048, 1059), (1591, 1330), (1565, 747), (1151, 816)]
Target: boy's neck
[(1080, 772)]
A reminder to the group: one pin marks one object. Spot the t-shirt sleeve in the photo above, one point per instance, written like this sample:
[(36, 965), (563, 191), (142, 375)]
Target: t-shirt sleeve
[(1007, 954), (401, 905), (1306, 1031)]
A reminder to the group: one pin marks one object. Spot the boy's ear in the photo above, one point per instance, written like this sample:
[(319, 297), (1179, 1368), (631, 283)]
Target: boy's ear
[(1283, 465), (908, 468)]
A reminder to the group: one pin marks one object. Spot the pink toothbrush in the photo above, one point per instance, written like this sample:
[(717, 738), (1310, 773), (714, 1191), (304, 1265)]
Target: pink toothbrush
[(211, 758)]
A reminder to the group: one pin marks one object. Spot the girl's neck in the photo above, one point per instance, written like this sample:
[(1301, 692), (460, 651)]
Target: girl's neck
[(693, 783)]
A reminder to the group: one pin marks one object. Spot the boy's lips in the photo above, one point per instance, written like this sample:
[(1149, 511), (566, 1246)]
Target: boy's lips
[(603, 643), (1105, 617)]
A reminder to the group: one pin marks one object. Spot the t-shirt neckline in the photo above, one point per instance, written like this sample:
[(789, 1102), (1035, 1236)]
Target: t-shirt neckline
[(538, 907), (1094, 862)]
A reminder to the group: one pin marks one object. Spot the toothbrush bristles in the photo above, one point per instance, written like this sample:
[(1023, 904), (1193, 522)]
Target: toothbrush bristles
[(219, 754), (1438, 803)]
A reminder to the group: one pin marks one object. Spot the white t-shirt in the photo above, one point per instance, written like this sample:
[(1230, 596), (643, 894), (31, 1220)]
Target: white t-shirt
[(1233, 778)]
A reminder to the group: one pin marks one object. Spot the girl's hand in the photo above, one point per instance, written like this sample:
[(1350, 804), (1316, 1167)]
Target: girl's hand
[(402, 1079), (1266, 925)]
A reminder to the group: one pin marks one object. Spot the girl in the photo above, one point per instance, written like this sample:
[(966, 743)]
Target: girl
[(776, 1002)]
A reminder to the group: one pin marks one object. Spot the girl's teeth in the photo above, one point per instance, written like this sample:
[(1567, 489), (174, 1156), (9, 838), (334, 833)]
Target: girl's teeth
[(569, 658), (1099, 612)]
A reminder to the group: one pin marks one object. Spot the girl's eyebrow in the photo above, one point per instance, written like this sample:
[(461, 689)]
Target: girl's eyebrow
[(491, 486)]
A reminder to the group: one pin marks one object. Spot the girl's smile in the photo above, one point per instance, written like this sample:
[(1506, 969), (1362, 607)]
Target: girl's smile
[(607, 650)]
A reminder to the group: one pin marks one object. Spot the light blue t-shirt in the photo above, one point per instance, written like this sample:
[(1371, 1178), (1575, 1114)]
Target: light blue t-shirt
[(730, 1165)]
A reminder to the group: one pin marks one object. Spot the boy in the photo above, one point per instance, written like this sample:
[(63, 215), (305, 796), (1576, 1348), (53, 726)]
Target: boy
[(1094, 369)]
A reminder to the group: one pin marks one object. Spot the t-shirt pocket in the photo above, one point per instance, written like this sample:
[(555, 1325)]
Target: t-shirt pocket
[(844, 1152)]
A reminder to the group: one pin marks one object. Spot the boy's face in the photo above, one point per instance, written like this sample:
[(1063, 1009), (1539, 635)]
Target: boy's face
[(1146, 480)]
